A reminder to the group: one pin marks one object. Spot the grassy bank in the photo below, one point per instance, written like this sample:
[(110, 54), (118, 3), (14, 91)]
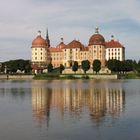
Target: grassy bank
[(45, 76), (129, 76), (49, 76)]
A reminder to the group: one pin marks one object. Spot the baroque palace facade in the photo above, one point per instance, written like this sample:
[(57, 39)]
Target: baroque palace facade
[(66, 54)]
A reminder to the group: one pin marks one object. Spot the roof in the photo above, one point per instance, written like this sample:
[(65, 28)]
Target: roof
[(39, 42), (114, 44), (52, 49), (96, 39), (61, 45), (85, 49), (74, 44)]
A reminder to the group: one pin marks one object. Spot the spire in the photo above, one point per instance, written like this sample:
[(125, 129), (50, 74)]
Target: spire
[(97, 30), (47, 38)]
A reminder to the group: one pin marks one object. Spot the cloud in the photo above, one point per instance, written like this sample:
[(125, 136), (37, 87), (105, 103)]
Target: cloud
[(21, 19)]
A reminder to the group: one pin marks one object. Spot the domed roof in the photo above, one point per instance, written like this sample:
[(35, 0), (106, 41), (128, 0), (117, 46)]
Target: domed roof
[(39, 41), (96, 39)]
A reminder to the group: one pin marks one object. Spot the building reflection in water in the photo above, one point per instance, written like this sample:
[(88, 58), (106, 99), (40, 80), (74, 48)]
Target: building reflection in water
[(41, 101), (74, 99)]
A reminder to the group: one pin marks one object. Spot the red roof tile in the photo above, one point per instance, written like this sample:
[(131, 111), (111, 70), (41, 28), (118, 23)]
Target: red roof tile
[(114, 44), (74, 44), (61, 45), (39, 42), (97, 39), (54, 49), (85, 49)]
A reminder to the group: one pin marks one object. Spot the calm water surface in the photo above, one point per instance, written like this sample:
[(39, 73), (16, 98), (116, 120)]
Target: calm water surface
[(70, 110)]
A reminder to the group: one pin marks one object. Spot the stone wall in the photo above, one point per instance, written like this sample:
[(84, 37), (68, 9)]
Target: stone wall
[(16, 77), (104, 76)]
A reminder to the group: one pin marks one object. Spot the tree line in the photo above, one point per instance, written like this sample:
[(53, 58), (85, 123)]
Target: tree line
[(12, 66), (115, 66), (123, 66)]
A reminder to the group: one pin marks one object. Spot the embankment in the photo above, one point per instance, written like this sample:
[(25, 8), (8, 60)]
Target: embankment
[(16, 77)]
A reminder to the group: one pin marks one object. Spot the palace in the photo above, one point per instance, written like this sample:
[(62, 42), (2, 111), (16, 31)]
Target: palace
[(66, 54)]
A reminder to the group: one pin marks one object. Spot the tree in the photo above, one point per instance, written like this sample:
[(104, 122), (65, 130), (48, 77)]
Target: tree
[(13, 65), (122, 66), (61, 68), (129, 65), (75, 66), (96, 66), (28, 67), (110, 64), (50, 67), (85, 65), (138, 66), (114, 65)]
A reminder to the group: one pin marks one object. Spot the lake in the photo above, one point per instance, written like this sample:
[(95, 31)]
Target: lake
[(70, 110)]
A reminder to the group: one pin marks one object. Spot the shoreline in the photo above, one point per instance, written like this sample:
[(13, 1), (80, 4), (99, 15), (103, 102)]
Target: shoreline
[(65, 76), (16, 77)]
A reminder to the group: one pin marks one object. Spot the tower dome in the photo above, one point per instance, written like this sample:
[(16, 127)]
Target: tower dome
[(96, 39), (39, 41)]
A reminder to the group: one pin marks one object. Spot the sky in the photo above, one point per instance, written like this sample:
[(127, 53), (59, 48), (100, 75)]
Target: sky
[(71, 19)]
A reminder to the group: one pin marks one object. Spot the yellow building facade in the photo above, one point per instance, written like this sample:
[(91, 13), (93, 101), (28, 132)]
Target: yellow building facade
[(97, 48)]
